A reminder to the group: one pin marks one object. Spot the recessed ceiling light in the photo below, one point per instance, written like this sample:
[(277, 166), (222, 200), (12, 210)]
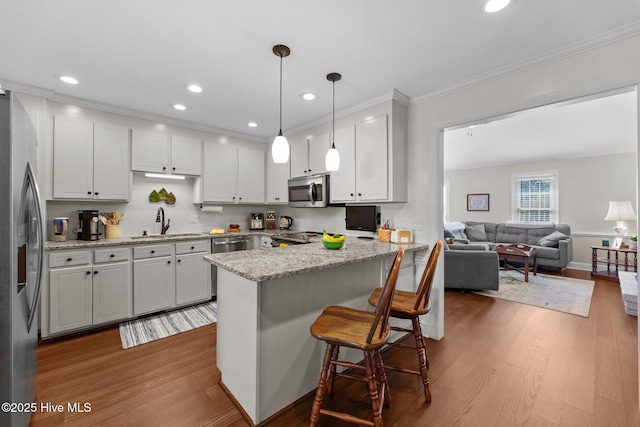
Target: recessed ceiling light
[(308, 96), (495, 5), (179, 107), (68, 79), (194, 88), (252, 124)]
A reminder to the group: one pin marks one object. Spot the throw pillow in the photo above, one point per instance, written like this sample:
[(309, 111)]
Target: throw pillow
[(551, 241), (448, 234), (476, 233)]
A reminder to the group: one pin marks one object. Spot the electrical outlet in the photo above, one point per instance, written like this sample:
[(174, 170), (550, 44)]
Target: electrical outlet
[(193, 219), (416, 225)]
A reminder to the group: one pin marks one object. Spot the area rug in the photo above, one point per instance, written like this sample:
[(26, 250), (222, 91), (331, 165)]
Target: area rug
[(564, 294), (147, 329)]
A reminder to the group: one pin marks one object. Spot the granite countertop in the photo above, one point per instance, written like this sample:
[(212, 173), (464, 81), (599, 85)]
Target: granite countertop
[(267, 264)]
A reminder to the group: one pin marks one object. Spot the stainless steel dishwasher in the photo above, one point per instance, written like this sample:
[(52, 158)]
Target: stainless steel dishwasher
[(221, 245)]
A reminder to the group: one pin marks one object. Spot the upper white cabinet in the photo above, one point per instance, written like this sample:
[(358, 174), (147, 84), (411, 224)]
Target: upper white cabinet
[(372, 161), (90, 160), (163, 153), (277, 182), (307, 157), (232, 174)]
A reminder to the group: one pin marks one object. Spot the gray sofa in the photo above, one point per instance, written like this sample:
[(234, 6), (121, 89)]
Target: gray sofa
[(553, 243), (470, 267)]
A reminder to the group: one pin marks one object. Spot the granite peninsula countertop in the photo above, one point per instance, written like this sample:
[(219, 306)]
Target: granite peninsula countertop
[(267, 264)]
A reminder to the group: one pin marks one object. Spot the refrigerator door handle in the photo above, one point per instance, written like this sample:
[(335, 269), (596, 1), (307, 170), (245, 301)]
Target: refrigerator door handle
[(30, 184)]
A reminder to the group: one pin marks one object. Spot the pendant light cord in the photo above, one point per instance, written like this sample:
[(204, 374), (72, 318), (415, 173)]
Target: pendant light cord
[(333, 136), (280, 92)]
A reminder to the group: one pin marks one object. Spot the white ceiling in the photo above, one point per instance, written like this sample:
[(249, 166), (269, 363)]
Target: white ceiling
[(583, 128), (135, 57)]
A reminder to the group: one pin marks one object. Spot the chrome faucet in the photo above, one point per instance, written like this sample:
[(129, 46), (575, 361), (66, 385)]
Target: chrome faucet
[(160, 215)]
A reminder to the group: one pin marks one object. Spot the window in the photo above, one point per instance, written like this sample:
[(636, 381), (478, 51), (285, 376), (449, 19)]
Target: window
[(536, 197)]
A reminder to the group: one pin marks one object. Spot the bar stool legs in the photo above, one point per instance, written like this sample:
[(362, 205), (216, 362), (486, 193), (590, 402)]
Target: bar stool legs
[(422, 357)]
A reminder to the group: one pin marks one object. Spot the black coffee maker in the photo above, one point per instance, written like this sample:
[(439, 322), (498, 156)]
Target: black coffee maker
[(88, 225)]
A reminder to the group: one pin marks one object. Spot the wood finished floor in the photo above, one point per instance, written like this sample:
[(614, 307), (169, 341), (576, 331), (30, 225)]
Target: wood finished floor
[(500, 364)]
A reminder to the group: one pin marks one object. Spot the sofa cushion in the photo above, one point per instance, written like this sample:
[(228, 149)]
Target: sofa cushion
[(511, 234), (547, 253), (551, 240), (476, 233), (534, 235)]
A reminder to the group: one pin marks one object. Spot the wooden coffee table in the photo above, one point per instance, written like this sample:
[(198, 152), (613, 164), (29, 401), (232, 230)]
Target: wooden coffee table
[(521, 253)]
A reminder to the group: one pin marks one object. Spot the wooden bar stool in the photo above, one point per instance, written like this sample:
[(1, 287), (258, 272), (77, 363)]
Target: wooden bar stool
[(411, 305), (343, 326)]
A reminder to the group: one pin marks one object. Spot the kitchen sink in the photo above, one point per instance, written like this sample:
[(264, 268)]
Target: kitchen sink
[(168, 235)]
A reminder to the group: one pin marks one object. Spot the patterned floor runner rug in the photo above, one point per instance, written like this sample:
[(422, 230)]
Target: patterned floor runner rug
[(147, 329), (564, 294)]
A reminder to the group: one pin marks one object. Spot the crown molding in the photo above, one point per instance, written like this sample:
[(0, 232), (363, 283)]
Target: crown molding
[(603, 39)]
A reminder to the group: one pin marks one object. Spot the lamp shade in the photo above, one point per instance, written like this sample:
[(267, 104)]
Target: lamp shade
[(280, 149), (620, 211), (332, 160)]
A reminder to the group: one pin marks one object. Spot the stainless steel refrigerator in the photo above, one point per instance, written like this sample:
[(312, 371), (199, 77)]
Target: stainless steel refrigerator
[(21, 255)]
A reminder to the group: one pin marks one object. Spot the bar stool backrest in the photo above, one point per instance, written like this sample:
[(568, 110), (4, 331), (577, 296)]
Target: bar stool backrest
[(383, 308)]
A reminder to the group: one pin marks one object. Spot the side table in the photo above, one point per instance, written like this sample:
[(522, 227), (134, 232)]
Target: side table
[(614, 259)]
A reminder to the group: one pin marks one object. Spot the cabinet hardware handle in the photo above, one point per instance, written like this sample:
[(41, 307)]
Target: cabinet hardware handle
[(178, 261), (112, 255), (95, 272), (192, 247), (168, 262), (88, 272), (88, 192), (351, 194), (173, 168), (153, 252), (96, 193), (164, 168), (359, 194), (69, 259)]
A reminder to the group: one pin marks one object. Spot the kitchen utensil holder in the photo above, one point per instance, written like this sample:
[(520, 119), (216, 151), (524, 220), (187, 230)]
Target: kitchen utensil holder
[(112, 231), (384, 234)]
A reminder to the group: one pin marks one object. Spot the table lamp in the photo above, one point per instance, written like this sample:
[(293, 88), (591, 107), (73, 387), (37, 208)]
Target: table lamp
[(620, 211)]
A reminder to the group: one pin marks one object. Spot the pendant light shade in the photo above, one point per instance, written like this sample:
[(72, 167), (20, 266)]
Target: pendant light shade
[(280, 146), (332, 159)]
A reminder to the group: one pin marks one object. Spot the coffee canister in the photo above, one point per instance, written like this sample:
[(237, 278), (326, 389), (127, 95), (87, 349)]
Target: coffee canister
[(60, 229)]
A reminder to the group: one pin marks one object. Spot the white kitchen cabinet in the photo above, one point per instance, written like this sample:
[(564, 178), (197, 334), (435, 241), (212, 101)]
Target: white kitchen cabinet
[(70, 298), (343, 181), (232, 174), (193, 275), (307, 157), (90, 160), (371, 160), (112, 292), (250, 176), (186, 156), (154, 278), (163, 153), (150, 152), (277, 182)]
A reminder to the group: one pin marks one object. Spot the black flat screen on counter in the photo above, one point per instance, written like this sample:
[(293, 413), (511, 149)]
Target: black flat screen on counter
[(364, 218)]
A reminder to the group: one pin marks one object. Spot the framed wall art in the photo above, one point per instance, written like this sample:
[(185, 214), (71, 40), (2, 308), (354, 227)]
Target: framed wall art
[(478, 202)]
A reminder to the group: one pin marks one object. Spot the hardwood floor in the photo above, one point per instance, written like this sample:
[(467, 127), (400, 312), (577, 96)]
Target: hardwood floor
[(500, 364)]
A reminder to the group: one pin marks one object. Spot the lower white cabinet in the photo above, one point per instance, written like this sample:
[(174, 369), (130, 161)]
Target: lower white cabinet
[(81, 293), (193, 274), (154, 280), (70, 298)]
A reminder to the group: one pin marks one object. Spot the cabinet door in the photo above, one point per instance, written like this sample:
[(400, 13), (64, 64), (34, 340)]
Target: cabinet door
[(343, 181), (318, 147), (250, 176), (193, 279), (112, 292), (72, 158), (153, 285), (186, 156), (111, 162), (70, 299), (150, 152), (277, 185), (219, 172), (299, 159), (371, 160)]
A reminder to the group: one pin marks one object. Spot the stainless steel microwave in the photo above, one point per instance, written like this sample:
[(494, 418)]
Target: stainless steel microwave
[(309, 191)]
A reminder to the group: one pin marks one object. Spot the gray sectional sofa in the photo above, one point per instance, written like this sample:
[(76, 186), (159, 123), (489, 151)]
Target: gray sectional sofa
[(470, 267), (553, 242)]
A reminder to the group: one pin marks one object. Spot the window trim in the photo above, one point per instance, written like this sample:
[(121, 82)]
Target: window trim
[(554, 201)]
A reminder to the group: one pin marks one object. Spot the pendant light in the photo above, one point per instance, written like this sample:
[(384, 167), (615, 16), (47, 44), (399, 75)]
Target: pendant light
[(332, 160), (280, 146)]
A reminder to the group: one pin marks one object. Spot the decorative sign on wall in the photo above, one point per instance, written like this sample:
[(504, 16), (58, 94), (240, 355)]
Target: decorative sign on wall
[(477, 202)]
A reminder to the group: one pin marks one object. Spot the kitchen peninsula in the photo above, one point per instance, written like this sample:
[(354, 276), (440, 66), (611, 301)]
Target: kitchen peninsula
[(267, 299)]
